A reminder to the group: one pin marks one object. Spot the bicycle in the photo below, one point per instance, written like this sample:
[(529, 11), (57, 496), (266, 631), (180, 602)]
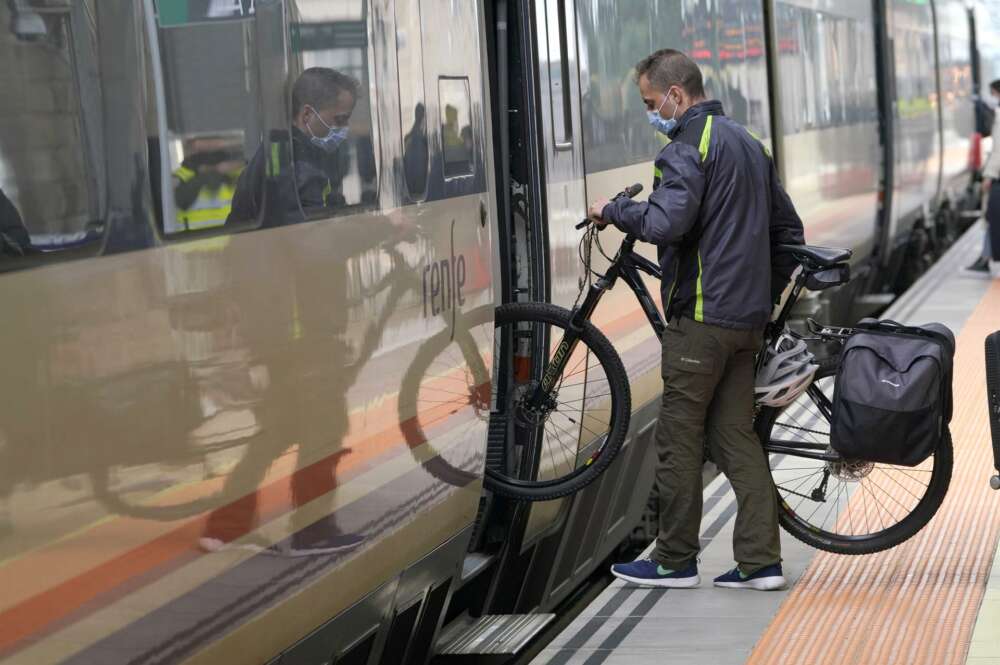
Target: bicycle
[(804, 467)]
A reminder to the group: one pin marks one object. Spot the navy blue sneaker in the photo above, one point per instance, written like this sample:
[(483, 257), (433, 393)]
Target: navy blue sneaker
[(765, 579), (646, 572)]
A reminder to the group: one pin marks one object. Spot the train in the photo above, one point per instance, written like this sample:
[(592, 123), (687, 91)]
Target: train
[(262, 438)]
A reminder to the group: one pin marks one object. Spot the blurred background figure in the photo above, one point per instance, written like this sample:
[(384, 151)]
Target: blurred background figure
[(205, 182)]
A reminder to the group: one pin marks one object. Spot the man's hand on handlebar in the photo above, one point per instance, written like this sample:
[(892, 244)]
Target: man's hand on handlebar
[(596, 209), (594, 213)]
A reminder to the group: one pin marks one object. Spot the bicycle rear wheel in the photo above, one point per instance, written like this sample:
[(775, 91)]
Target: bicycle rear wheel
[(845, 506), (564, 445)]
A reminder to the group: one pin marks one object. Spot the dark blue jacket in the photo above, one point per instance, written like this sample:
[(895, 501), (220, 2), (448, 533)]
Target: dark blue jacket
[(715, 214)]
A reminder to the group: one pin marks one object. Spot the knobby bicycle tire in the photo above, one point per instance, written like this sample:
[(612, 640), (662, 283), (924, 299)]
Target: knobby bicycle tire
[(534, 489)]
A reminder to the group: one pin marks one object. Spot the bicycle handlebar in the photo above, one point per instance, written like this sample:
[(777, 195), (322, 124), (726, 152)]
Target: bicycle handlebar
[(628, 192)]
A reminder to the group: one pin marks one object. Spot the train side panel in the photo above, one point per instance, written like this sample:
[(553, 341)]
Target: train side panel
[(218, 434)]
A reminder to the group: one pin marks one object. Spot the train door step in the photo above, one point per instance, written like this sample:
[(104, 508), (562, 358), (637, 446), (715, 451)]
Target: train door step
[(493, 638)]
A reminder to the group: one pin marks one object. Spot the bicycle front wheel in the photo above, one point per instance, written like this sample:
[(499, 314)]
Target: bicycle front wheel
[(846, 506), (571, 438)]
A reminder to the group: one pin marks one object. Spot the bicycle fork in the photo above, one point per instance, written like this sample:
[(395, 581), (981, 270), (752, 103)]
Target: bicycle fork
[(541, 396)]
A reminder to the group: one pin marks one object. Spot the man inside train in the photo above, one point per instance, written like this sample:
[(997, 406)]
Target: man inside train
[(714, 214), (323, 100)]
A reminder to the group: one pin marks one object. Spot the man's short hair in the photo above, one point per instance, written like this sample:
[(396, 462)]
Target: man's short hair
[(995, 86), (319, 87), (666, 68)]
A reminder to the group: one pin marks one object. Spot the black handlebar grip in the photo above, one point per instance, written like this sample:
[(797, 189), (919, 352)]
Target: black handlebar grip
[(632, 191), (629, 192)]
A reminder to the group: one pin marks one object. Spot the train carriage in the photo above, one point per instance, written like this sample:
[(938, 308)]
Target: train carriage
[(262, 438)]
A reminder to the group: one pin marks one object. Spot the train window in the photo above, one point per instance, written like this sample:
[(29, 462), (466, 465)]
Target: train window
[(209, 119), (455, 105), (52, 174), (265, 117), (331, 103), (412, 110), (826, 65), (725, 39)]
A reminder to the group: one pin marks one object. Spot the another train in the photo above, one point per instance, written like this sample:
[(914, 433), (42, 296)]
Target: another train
[(262, 440)]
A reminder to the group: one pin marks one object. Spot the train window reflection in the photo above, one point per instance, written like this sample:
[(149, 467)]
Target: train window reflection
[(265, 117), (52, 180), (331, 40), (412, 110), (725, 39), (211, 121), (456, 126)]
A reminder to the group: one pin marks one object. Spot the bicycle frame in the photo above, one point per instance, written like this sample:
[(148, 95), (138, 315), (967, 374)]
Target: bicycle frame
[(628, 265)]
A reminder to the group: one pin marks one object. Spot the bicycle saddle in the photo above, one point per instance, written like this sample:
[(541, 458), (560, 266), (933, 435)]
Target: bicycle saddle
[(821, 257)]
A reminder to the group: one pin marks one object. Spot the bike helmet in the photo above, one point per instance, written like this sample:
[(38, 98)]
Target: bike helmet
[(787, 371)]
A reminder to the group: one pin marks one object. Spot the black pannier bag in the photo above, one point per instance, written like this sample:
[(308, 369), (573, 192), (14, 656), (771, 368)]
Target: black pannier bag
[(892, 396)]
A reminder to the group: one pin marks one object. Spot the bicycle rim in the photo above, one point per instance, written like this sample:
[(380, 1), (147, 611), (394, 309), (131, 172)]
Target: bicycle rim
[(573, 437), (847, 506)]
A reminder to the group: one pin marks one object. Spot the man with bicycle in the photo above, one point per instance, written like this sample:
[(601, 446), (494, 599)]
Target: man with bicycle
[(716, 210)]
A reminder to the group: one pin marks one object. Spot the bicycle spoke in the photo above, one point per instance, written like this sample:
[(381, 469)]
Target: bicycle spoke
[(878, 503), (834, 504), (864, 501), (786, 481), (555, 466), (589, 396), (568, 433), (894, 500), (905, 489)]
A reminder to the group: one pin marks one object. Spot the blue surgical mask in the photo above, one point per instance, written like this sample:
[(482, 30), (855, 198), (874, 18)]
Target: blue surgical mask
[(334, 137), (662, 125)]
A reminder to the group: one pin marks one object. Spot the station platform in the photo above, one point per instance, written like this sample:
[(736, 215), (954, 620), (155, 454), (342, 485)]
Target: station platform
[(931, 600)]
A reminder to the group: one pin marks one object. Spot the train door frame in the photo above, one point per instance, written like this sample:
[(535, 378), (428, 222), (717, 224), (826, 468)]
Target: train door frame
[(774, 88), (523, 260), (886, 84)]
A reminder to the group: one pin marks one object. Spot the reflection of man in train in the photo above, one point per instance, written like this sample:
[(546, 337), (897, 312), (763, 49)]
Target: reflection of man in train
[(14, 238), (323, 100), (205, 182), (294, 323), (415, 153), (991, 193), (714, 215)]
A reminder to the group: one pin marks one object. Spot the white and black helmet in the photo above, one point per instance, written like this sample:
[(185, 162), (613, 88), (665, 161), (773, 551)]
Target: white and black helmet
[(787, 371)]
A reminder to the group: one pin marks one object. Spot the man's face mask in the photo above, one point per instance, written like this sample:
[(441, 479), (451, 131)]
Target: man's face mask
[(663, 125), (334, 136)]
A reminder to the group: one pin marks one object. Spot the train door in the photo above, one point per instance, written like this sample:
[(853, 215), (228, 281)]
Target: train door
[(561, 148), (561, 144)]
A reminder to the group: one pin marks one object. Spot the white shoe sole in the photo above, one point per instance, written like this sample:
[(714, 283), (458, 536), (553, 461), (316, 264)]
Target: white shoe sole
[(213, 545), (669, 583), (759, 584)]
